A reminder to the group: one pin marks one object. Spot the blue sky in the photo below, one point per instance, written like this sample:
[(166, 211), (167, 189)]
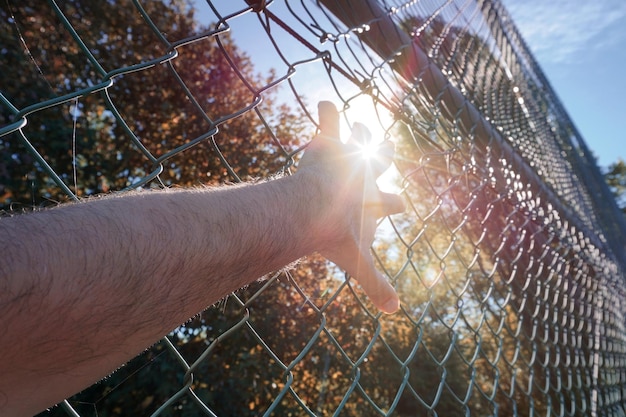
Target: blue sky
[(579, 44), (581, 48)]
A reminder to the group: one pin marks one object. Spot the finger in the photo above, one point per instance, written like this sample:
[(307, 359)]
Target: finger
[(329, 119), (383, 159), (361, 134), (358, 262), (386, 151), (387, 300), (391, 204), (381, 204)]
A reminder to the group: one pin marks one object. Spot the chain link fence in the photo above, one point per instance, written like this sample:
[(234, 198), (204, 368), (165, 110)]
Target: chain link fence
[(509, 260)]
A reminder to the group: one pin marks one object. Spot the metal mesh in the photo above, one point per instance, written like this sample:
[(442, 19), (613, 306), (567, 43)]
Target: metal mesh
[(509, 260)]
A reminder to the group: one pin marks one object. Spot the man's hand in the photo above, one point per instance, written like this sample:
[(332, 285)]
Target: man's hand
[(345, 183)]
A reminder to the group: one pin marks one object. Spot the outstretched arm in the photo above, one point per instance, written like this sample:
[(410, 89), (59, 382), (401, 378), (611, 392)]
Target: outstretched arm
[(87, 286)]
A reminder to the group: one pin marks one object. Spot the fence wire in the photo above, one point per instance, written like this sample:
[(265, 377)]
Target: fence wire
[(509, 261)]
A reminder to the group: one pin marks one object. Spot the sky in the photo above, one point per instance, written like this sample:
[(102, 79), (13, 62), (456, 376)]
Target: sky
[(581, 48)]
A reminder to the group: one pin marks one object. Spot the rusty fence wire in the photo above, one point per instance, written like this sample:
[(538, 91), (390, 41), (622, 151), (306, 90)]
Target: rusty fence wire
[(509, 261)]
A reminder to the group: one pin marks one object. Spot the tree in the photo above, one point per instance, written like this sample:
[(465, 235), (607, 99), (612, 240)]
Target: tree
[(616, 179), (90, 146)]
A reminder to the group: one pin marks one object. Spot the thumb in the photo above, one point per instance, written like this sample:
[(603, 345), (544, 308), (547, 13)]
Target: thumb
[(360, 265), (378, 288), (328, 119)]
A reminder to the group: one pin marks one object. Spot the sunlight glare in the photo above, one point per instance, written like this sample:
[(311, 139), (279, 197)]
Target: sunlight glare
[(369, 151), (363, 110)]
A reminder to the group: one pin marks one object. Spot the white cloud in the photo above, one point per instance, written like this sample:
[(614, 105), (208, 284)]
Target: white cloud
[(561, 30)]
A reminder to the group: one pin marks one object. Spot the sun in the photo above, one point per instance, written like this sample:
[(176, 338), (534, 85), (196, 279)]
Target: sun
[(368, 151), (378, 122)]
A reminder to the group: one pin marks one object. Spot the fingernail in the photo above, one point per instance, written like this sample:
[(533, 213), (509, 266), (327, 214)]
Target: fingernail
[(391, 306)]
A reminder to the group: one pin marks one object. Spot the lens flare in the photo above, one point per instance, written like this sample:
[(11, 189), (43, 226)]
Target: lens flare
[(368, 151)]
